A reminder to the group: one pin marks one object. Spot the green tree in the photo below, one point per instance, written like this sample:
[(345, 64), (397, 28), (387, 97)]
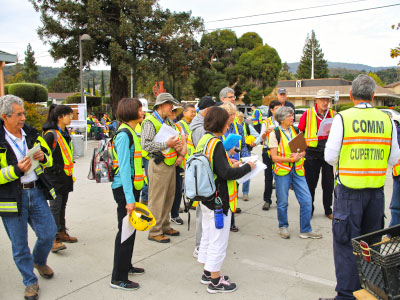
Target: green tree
[(376, 78), (88, 86), (395, 52), (122, 34), (30, 72), (102, 86), (320, 64), (94, 86), (285, 74), (64, 82)]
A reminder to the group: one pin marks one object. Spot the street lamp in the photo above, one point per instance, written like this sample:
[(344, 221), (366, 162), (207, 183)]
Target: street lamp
[(83, 37)]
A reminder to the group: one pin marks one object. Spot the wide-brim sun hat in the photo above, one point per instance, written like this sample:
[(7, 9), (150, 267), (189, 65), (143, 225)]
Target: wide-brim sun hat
[(177, 109), (163, 98), (323, 94)]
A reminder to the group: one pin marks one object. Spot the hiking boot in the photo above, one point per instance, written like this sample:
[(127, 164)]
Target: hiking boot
[(196, 252), (65, 237), (126, 285), (171, 232), (223, 286), (245, 197), (266, 206), (207, 279), (57, 246), (136, 271), (44, 271), (32, 292), (310, 235), (177, 220), (329, 216), (159, 238), (284, 233)]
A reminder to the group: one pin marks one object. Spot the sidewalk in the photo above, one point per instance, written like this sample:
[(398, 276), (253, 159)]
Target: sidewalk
[(263, 265)]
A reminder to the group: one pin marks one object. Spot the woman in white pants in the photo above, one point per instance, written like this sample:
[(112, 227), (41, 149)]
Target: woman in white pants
[(214, 241)]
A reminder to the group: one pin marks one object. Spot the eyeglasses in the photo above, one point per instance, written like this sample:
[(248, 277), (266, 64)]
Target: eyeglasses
[(231, 97), (20, 114)]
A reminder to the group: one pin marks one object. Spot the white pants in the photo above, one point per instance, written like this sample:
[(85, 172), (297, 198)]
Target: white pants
[(214, 241)]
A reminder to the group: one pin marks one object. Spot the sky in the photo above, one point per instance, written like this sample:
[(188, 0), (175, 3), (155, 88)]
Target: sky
[(364, 37)]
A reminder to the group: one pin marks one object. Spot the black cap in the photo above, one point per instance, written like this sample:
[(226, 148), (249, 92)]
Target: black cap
[(206, 101), (282, 91)]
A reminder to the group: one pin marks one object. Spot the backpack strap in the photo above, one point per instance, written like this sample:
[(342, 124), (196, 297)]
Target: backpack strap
[(278, 135), (54, 133), (127, 131)]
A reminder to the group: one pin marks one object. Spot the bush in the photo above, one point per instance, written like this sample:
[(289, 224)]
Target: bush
[(397, 108), (380, 107), (36, 115), (92, 101), (31, 92), (341, 107), (6, 89)]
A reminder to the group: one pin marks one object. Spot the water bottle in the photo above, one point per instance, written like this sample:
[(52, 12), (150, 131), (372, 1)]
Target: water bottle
[(218, 214)]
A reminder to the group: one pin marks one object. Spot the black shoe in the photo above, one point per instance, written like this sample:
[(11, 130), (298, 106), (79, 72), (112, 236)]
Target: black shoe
[(135, 271), (238, 210), (223, 286), (124, 285), (234, 229), (207, 279), (266, 206)]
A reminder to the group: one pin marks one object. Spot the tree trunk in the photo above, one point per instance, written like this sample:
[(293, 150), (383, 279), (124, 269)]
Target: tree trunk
[(118, 88)]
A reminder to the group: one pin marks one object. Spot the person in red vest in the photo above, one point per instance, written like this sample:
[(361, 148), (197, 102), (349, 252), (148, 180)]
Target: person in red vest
[(310, 123)]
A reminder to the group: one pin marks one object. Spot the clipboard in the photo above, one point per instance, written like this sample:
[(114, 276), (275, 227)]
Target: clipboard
[(298, 143)]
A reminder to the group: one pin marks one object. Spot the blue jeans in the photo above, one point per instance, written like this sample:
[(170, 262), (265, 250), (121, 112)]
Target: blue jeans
[(246, 187), (302, 194), (395, 203), (36, 212), (145, 189)]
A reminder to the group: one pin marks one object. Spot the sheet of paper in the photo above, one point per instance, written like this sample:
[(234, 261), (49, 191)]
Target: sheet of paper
[(325, 127), (127, 229), (259, 167), (165, 133), (31, 152)]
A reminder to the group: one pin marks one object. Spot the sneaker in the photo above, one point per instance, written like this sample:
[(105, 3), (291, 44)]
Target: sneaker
[(284, 232), (177, 220), (32, 292), (223, 286), (207, 279), (196, 252), (126, 285), (266, 206), (245, 197), (136, 271), (310, 235), (44, 271)]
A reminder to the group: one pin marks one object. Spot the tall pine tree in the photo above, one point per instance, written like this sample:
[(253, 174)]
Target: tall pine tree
[(94, 86), (320, 64), (30, 72), (102, 86)]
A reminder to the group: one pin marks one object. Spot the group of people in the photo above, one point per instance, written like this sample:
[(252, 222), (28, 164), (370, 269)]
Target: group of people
[(360, 153)]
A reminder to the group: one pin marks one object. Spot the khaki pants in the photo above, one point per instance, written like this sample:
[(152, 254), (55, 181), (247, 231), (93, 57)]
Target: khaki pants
[(161, 194)]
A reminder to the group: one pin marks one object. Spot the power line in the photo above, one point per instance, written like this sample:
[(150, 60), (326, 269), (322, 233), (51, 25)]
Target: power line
[(285, 11), (305, 18)]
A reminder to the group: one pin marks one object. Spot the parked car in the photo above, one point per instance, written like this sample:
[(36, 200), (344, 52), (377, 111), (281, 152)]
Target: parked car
[(299, 112), (393, 114)]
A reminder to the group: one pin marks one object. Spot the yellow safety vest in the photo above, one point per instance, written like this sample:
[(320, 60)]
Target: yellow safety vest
[(283, 168), (367, 138), (190, 146), (310, 132), (256, 122), (185, 125), (137, 159), (138, 131), (179, 129), (107, 120), (396, 169), (232, 186), (171, 156), (66, 152)]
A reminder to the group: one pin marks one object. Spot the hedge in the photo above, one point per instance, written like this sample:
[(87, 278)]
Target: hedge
[(30, 92), (92, 101)]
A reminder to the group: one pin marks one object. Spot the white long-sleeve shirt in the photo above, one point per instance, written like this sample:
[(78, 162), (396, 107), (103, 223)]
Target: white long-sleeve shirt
[(334, 143)]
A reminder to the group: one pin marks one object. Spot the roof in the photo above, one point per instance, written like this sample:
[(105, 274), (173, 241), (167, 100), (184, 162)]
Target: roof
[(392, 85), (323, 82), (60, 96), (7, 57)]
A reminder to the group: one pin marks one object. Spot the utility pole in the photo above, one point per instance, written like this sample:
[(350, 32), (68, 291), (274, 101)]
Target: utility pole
[(312, 57)]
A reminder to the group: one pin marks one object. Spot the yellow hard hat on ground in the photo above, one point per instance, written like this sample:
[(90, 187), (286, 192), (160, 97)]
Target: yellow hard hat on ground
[(141, 218)]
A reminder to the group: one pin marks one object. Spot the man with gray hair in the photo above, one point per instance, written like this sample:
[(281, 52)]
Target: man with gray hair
[(361, 144), (227, 94), (22, 196)]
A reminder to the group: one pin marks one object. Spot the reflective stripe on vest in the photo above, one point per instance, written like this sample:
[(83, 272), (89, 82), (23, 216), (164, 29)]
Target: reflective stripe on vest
[(283, 168), (190, 146), (310, 133), (137, 159), (170, 156), (367, 135), (232, 186), (66, 153), (259, 120), (8, 207)]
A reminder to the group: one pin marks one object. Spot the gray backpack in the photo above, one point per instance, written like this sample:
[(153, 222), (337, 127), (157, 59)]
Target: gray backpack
[(199, 178)]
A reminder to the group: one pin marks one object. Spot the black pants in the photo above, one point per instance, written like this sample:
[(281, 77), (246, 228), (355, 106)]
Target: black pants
[(257, 127), (122, 252), (267, 176), (312, 167), (178, 193), (57, 207)]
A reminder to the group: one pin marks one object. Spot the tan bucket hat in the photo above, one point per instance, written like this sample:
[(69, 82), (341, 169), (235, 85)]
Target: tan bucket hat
[(165, 97), (323, 94)]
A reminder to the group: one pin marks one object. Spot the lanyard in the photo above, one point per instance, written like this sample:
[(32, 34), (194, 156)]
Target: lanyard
[(365, 103), (290, 132), (316, 113), (158, 117), (275, 122), (23, 152)]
